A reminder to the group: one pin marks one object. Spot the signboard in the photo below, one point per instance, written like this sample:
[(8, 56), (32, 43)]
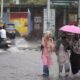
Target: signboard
[(52, 21), (38, 19), (20, 19), (64, 2), (37, 22), (61, 4)]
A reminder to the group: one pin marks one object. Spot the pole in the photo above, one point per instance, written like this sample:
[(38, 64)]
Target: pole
[(17, 1), (79, 13), (48, 14), (1, 10), (64, 18)]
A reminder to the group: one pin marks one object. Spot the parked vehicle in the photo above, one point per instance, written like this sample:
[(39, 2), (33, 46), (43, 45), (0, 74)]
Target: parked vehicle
[(11, 32), (5, 44)]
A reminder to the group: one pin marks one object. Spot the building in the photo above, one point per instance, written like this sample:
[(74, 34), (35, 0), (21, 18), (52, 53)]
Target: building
[(66, 13), (15, 13)]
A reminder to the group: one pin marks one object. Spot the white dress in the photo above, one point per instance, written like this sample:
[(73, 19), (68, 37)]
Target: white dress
[(54, 70), (63, 58)]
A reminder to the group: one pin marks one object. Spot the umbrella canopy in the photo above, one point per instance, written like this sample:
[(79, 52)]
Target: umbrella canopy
[(70, 28)]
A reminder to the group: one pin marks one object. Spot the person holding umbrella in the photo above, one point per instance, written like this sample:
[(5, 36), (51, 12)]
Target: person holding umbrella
[(75, 55), (74, 46), (63, 56)]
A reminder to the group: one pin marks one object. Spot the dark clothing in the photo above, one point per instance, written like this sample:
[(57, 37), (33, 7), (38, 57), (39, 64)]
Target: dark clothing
[(75, 62), (41, 47), (11, 35), (45, 70), (75, 56)]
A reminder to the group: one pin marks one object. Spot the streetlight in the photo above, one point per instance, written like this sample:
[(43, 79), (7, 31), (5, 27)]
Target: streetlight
[(1, 10)]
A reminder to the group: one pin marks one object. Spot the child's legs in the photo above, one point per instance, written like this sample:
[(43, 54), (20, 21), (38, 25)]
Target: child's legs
[(45, 70)]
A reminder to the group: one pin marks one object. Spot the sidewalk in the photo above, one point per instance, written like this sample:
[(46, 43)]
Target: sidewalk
[(22, 43)]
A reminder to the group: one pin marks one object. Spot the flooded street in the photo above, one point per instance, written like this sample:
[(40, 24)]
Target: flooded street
[(18, 64), (23, 64)]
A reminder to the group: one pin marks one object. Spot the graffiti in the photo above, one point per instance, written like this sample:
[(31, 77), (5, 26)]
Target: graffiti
[(21, 22)]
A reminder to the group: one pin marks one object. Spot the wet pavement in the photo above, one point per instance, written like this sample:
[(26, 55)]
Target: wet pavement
[(19, 65), (22, 43), (23, 64)]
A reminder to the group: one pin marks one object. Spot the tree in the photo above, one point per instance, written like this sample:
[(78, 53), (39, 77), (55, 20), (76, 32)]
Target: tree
[(35, 2)]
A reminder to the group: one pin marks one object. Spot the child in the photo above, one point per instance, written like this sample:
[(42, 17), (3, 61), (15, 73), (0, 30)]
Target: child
[(48, 46)]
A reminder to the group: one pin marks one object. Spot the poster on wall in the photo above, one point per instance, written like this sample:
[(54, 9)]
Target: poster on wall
[(20, 19)]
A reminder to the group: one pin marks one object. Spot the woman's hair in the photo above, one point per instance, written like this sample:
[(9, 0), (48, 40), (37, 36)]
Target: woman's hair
[(63, 38)]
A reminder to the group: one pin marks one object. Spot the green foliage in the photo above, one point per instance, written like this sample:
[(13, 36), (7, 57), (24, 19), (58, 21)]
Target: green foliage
[(7, 1), (35, 2)]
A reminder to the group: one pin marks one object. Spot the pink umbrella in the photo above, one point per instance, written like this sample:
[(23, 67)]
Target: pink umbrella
[(70, 28)]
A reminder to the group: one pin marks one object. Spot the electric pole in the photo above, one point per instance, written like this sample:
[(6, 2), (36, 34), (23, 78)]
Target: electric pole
[(1, 10)]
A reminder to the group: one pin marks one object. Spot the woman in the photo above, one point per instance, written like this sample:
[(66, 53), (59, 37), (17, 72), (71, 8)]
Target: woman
[(48, 47), (63, 56), (75, 56)]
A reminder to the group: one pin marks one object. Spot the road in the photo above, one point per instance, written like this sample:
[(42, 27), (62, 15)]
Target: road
[(18, 63)]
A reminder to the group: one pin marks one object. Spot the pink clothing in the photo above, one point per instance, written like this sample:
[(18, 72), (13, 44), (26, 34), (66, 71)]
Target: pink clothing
[(46, 56)]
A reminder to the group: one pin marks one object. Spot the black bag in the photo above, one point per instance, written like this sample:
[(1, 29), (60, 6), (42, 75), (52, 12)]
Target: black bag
[(41, 47)]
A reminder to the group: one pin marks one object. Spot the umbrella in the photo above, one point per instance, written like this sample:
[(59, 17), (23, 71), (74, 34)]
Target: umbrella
[(70, 28)]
